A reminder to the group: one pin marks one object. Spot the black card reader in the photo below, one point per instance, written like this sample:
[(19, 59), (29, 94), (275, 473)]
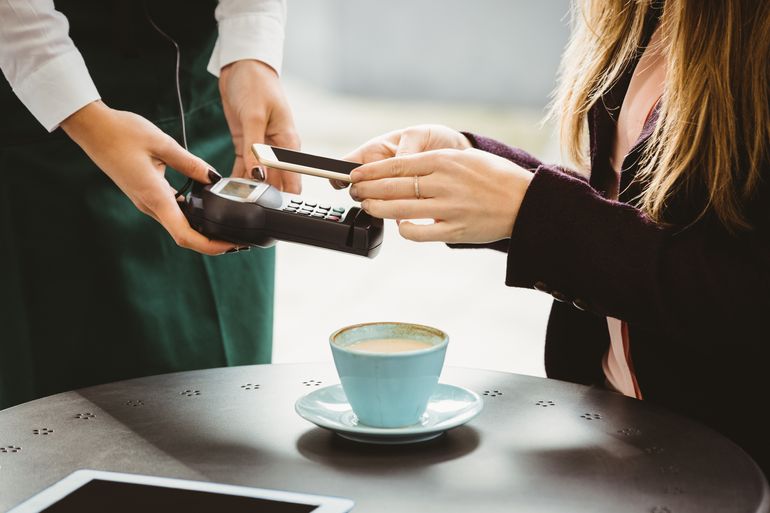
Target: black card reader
[(254, 213)]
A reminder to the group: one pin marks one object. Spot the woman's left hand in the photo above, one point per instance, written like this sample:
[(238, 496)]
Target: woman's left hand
[(473, 196), (257, 112)]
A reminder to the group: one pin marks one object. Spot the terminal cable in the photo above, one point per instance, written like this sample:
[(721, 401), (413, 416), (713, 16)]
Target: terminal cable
[(181, 192)]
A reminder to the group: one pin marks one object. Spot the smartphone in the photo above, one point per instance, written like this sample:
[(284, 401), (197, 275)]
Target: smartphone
[(298, 162)]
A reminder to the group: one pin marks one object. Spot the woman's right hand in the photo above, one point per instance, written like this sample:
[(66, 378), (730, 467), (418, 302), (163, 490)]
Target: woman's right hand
[(406, 141), (134, 153)]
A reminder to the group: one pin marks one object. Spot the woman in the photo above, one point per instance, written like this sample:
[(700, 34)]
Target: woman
[(94, 290), (657, 246)]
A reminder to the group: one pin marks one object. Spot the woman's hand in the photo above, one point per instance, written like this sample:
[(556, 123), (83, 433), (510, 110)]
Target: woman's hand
[(473, 196), (406, 141), (134, 153), (257, 112)]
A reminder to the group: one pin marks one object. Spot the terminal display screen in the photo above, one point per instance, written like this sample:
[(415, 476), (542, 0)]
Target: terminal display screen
[(238, 189)]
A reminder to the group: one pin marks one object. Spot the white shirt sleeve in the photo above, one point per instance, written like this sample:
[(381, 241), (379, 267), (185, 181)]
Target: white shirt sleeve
[(40, 61), (249, 29)]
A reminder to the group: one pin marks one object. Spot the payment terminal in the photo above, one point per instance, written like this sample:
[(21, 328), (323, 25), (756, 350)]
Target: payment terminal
[(254, 213)]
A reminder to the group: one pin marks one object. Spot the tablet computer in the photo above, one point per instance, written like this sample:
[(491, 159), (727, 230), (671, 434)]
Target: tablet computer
[(86, 491)]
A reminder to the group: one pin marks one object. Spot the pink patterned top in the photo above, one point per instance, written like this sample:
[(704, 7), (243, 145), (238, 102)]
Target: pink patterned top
[(644, 91)]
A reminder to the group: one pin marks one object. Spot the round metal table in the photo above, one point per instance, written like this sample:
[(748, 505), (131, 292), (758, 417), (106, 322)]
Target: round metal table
[(539, 445)]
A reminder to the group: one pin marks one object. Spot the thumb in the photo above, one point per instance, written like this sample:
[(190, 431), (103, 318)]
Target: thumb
[(412, 141), (172, 154)]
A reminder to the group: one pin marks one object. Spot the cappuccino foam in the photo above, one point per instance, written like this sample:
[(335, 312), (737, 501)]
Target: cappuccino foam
[(389, 345)]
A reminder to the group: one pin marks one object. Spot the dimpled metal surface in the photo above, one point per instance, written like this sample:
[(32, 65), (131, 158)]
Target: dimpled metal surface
[(539, 445)]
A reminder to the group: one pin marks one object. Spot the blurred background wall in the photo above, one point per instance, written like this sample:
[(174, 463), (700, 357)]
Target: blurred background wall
[(489, 51)]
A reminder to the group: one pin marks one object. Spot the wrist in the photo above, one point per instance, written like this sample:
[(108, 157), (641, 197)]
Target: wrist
[(85, 120), (519, 190), (254, 64)]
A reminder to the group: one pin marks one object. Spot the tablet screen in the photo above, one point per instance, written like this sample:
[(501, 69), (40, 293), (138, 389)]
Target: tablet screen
[(117, 497)]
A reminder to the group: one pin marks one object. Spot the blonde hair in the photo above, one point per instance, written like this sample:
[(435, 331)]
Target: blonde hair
[(713, 130)]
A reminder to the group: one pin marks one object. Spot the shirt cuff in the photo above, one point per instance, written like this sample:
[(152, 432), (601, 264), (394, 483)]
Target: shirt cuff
[(255, 36), (59, 88)]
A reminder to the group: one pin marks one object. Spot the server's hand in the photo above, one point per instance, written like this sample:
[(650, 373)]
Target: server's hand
[(134, 153), (257, 112)]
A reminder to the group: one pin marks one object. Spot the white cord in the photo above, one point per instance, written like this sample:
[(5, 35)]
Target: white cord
[(178, 59), (181, 192)]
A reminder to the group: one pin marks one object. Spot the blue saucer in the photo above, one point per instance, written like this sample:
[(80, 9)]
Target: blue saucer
[(449, 406)]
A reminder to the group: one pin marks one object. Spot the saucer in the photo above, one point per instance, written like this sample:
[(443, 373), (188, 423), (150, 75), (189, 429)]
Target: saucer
[(449, 406)]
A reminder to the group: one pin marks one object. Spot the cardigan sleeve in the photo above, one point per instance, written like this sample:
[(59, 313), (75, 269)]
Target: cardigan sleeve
[(515, 155), (611, 258)]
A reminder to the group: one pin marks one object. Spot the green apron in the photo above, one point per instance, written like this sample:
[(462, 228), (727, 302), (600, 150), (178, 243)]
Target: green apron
[(92, 290)]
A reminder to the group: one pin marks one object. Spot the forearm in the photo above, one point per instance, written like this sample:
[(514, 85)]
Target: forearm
[(40, 61), (611, 258), (249, 30), (515, 155)]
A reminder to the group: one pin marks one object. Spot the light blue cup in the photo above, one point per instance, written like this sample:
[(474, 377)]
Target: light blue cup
[(388, 390)]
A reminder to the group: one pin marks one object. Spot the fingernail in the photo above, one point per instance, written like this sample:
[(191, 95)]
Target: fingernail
[(214, 177), (236, 250), (354, 175), (354, 192), (258, 174)]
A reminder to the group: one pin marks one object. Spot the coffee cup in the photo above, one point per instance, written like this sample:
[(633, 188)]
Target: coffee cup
[(388, 370)]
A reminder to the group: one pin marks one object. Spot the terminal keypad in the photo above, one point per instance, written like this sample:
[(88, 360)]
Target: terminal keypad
[(313, 209)]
